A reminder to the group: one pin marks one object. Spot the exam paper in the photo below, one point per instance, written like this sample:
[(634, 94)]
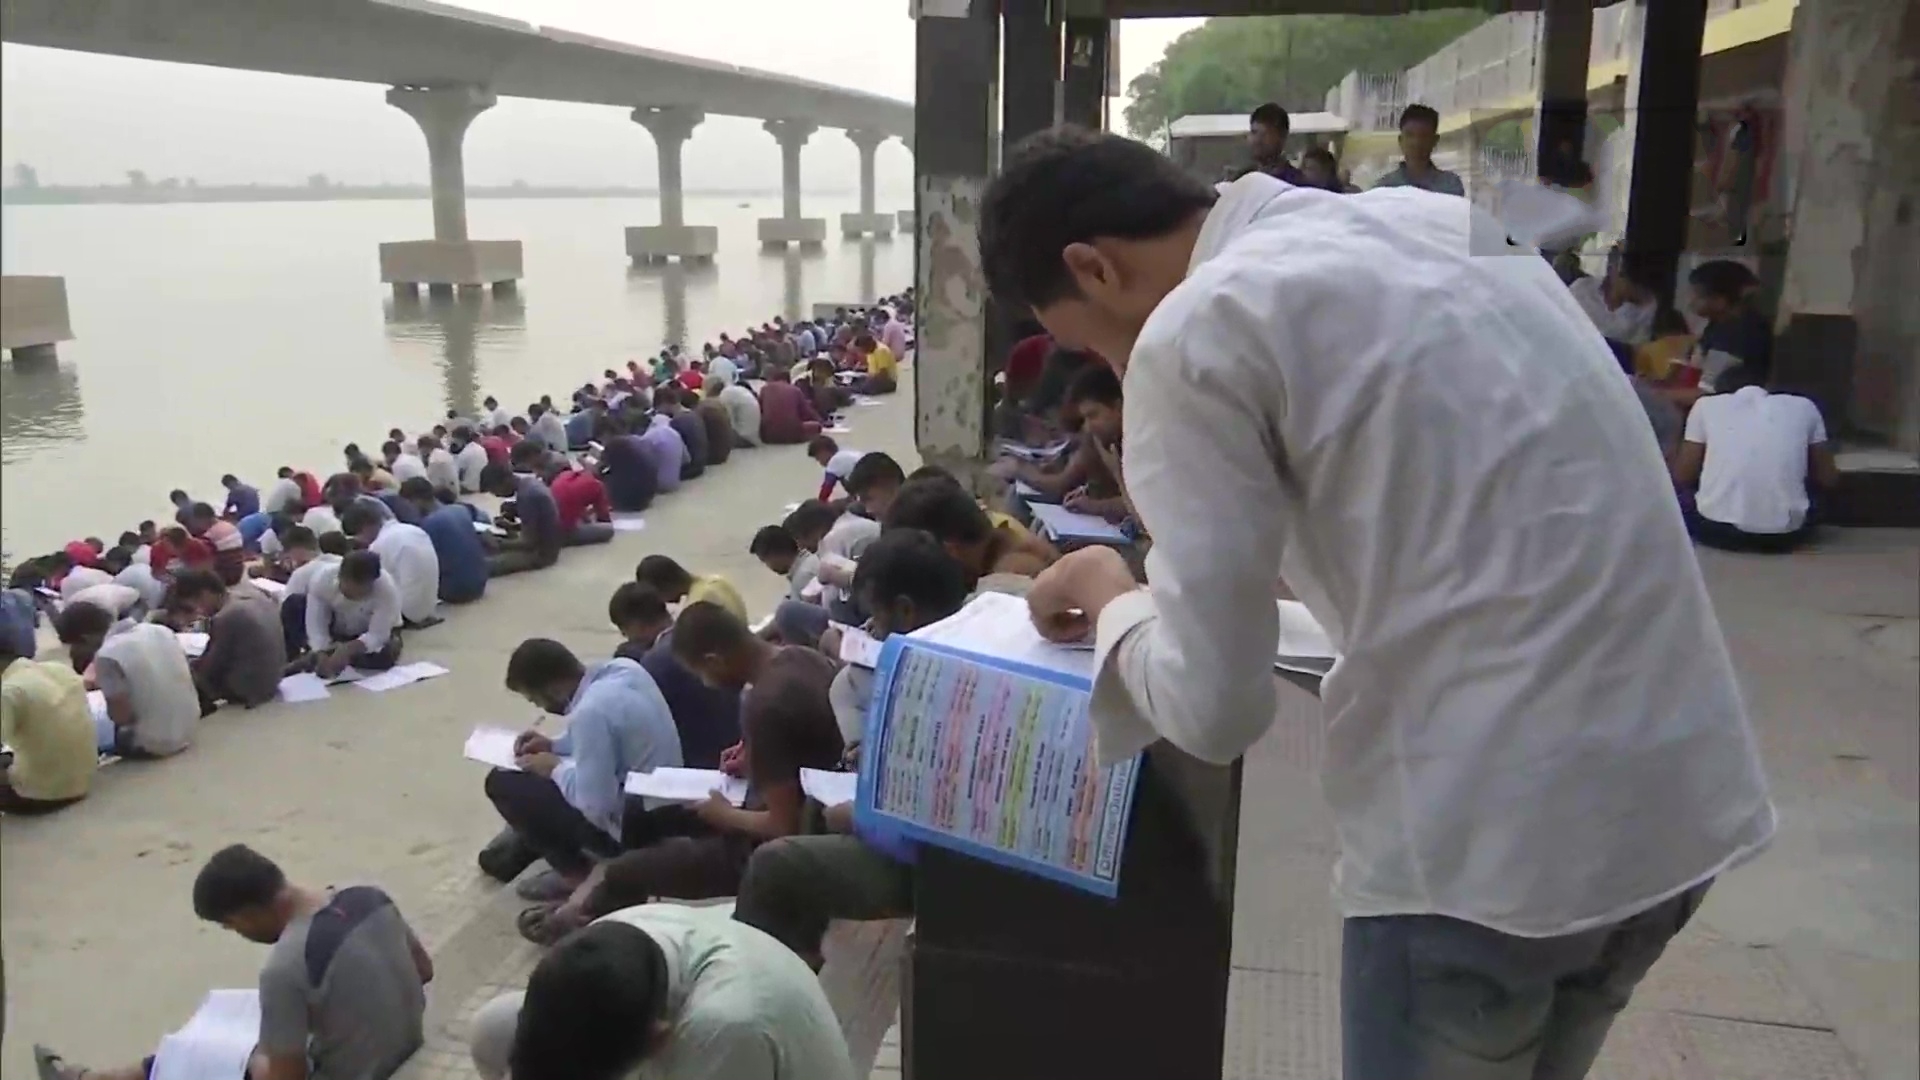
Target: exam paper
[(216, 1043), (829, 788), (686, 785), (837, 429), (1304, 645), (1061, 523), (1032, 453), (97, 705), (629, 523), (492, 746), (275, 589), (193, 644), (859, 647), (303, 687), (401, 675)]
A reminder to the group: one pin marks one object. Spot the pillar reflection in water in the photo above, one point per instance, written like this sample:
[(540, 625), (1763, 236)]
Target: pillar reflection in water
[(40, 406), (867, 292), (456, 326), (790, 274), (671, 281)]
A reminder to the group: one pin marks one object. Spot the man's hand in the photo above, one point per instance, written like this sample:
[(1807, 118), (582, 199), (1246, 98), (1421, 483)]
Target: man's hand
[(1068, 597), (531, 742), (331, 663), (1078, 502), (539, 764), (733, 760), (715, 810), (830, 642), (838, 817)]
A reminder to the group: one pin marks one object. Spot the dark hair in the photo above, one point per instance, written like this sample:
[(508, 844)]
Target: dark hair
[(298, 536), (932, 472), (228, 480), (1419, 114), (1097, 383), (390, 448), (361, 567), (285, 472), (871, 471), (591, 1006), (76, 621), (494, 475), (235, 879), (1322, 155), (633, 602), (1273, 115), (202, 510), (772, 540), (1738, 377), (176, 496), (661, 572), (822, 444), (188, 584), (705, 628), (128, 539), (525, 453), (540, 662), (1668, 321), (416, 487), (1722, 278), (1069, 186), (912, 564), (810, 517), (942, 508), (334, 543), (357, 517)]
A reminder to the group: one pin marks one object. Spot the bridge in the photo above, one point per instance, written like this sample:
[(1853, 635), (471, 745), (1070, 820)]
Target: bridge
[(446, 65)]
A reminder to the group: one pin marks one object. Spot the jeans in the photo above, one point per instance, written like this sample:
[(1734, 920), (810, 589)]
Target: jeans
[(1426, 997), (795, 885), (1719, 534)]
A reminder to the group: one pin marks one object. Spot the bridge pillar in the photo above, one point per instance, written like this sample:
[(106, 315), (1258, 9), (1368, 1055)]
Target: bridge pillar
[(33, 317), (866, 222), (671, 127), (450, 259), (790, 227)]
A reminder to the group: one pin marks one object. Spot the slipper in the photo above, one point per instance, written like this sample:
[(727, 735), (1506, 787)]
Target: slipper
[(52, 1066), (545, 925), (546, 886)]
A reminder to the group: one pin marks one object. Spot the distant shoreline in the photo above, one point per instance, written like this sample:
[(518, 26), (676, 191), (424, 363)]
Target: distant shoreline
[(156, 194)]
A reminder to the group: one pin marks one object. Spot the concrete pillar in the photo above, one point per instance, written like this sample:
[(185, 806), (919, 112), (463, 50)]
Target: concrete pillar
[(33, 316), (1084, 75), (1659, 204), (790, 227), (671, 127), (866, 222), (1566, 41), (450, 259), (1850, 330)]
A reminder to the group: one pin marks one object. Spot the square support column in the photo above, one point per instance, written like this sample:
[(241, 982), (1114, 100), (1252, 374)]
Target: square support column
[(1660, 201), (671, 127), (450, 260), (1084, 76), (33, 316), (1566, 41), (790, 227)]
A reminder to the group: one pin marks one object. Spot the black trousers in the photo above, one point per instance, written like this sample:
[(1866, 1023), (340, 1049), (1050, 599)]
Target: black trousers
[(535, 808), (1719, 534)]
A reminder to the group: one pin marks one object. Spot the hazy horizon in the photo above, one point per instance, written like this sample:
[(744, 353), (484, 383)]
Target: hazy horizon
[(87, 119)]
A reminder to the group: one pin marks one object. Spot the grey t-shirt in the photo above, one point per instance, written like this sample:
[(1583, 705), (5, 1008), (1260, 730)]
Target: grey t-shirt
[(246, 647), (340, 986)]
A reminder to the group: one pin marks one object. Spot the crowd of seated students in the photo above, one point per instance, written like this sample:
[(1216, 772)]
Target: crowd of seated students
[(1749, 465), (325, 574)]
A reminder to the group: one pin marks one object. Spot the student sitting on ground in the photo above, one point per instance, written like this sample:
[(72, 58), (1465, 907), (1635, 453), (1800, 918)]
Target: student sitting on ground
[(943, 508), (246, 644), (1736, 334), (403, 461), (567, 800), (873, 482), (303, 558), (1753, 455), (461, 556), (786, 411), (786, 723), (352, 612), (140, 668), (837, 463), (796, 884), (666, 451), (469, 458), (548, 429), (537, 543), (628, 471), (1094, 395), (779, 552), (840, 547), (743, 413), (44, 718), (343, 989), (881, 366), (719, 423), (664, 992), (121, 601), (692, 431), (675, 585), (242, 499), (828, 396), (707, 717), (229, 551), (408, 555), (586, 514), (800, 619)]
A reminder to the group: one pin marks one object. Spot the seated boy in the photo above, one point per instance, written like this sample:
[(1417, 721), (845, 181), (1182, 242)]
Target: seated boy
[(675, 585), (44, 718), (246, 642), (353, 616), (837, 463), (343, 989), (779, 552), (943, 508), (707, 717), (140, 669), (1754, 456)]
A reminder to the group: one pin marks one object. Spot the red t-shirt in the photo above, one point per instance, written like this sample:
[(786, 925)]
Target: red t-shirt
[(498, 449), (162, 555), (82, 553), (309, 489), (581, 497), (692, 379), (1026, 358)]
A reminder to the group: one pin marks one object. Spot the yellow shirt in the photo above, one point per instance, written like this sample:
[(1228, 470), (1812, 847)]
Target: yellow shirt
[(1002, 521), (882, 362), (1655, 359), (44, 717), (714, 589)]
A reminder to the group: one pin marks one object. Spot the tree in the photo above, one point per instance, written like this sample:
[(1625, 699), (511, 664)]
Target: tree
[(136, 178), (26, 177), (1230, 65), (318, 181)]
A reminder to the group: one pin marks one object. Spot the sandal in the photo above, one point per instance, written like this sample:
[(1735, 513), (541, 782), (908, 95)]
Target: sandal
[(545, 924)]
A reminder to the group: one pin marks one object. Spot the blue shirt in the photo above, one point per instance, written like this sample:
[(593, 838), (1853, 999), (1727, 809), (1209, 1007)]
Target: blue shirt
[(252, 528), (19, 616), (400, 509), (707, 717), (628, 473), (463, 560), (242, 501), (539, 515), (580, 428), (617, 723), (666, 452), (1435, 179)]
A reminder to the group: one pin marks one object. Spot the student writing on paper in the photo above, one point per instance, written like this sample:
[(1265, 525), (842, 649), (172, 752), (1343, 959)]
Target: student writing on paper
[(943, 508), (151, 704), (873, 481), (458, 550), (707, 717), (787, 416), (664, 992), (45, 719), (803, 617), (537, 544), (1094, 395), (343, 988), (246, 643), (676, 584), (352, 611), (786, 724), (779, 552), (795, 885), (567, 801), (836, 461), (1305, 399), (407, 555)]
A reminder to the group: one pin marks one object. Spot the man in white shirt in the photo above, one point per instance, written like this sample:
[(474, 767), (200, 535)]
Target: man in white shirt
[(1537, 754), (497, 417), (407, 554), (403, 462), (285, 489), (1619, 304), (152, 706), (352, 611), (664, 992), (1752, 455), (743, 413), (469, 458), (442, 473), (549, 428)]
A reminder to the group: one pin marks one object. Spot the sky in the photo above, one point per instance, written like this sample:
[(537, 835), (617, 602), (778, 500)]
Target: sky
[(81, 118)]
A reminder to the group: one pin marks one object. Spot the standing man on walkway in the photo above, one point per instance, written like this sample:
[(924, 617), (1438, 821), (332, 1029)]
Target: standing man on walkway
[(1537, 755)]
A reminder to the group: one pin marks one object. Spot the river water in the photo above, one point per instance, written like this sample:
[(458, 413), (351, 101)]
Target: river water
[(216, 338)]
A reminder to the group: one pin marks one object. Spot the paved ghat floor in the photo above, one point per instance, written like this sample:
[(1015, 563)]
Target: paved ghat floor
[(1802, 966)]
